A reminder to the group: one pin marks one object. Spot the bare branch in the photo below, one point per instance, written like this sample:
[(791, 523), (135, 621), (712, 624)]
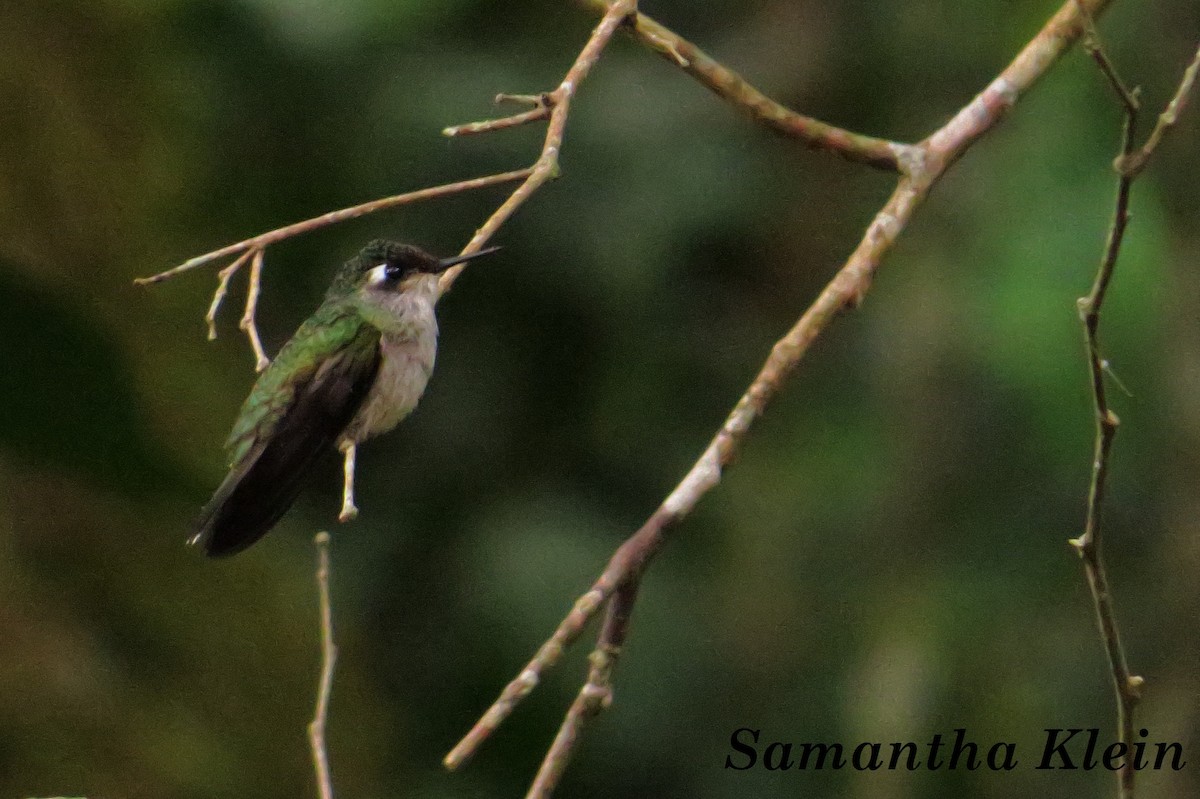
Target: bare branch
[(923, 165), (316, 729), (541, 110), (628, 560), (594, 697), (734, 89), (262, 240), (559, 102), (1133, 163), (1095, 48), (1089, 546), (535, 100)]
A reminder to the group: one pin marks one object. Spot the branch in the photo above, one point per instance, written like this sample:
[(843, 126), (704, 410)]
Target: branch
[(734, 89), (316, 729), (559, 104), (1133, 163), (595, 696), (1128, 165), (629, 559), (923, 167), (541, 110), (1088, 545), (262, 240), (1095, 48)]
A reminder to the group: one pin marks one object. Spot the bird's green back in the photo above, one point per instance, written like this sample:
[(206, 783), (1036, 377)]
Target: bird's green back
[(335, 331)]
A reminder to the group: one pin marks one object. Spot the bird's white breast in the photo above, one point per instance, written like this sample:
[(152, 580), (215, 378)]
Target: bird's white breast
[(408, 345)]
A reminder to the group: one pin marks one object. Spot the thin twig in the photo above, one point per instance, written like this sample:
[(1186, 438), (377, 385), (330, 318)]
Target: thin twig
[(1134, 163), (522, 685), (262, 240), (247, 323), (924, 164), (316, 729), (1089, 544), (541, 110), (223, 278), (535, 100), (1095, 48), (593, 697)]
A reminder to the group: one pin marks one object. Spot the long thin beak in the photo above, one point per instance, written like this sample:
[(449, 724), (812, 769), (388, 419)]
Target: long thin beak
[(446, 263)]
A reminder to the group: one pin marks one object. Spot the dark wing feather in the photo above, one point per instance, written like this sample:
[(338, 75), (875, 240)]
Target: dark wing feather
[(296, 412)]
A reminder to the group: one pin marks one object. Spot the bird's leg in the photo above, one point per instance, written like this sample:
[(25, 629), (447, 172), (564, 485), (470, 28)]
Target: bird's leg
[(349, 509)]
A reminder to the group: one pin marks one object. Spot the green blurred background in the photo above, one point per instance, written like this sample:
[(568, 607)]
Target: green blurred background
[(887, 560)]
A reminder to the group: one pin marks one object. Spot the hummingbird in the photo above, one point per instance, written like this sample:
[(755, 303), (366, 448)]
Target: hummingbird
[(352, 370)]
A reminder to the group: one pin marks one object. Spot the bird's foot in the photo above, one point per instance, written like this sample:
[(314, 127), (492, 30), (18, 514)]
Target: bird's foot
[(349, 509)]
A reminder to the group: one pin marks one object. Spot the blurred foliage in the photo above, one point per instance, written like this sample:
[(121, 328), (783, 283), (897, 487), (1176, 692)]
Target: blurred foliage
[(886, 561)]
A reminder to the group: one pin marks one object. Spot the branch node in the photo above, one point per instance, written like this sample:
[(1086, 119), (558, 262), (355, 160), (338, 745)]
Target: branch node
[(1084, 306), (528, 680), (597, 697), (1130, 165), (665, 46)]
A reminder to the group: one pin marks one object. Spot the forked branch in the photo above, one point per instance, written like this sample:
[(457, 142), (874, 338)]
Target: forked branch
[(253, 248), (554, 106), (1089, 545), (923, 164)]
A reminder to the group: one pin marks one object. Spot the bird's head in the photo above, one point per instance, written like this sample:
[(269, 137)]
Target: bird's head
[(390, 267)]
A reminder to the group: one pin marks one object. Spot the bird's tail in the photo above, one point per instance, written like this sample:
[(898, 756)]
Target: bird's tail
[(252, 498)]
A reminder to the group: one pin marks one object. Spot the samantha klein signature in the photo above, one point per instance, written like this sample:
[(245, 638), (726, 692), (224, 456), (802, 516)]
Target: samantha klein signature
[(1063, 748)]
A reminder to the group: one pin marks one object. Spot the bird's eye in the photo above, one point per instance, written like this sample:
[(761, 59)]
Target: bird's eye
[(385, 275), (378, 276)]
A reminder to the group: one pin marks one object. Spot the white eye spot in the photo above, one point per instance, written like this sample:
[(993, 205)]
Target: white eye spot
[(377, 276)]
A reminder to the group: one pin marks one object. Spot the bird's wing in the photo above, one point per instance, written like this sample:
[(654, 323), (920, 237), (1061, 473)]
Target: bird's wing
[(296, 411)]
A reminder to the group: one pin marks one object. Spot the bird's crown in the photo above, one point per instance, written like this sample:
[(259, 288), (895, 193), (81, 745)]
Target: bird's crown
[(403, 258)]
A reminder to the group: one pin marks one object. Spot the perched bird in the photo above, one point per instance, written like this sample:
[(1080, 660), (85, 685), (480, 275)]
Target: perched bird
[(353, 370)]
